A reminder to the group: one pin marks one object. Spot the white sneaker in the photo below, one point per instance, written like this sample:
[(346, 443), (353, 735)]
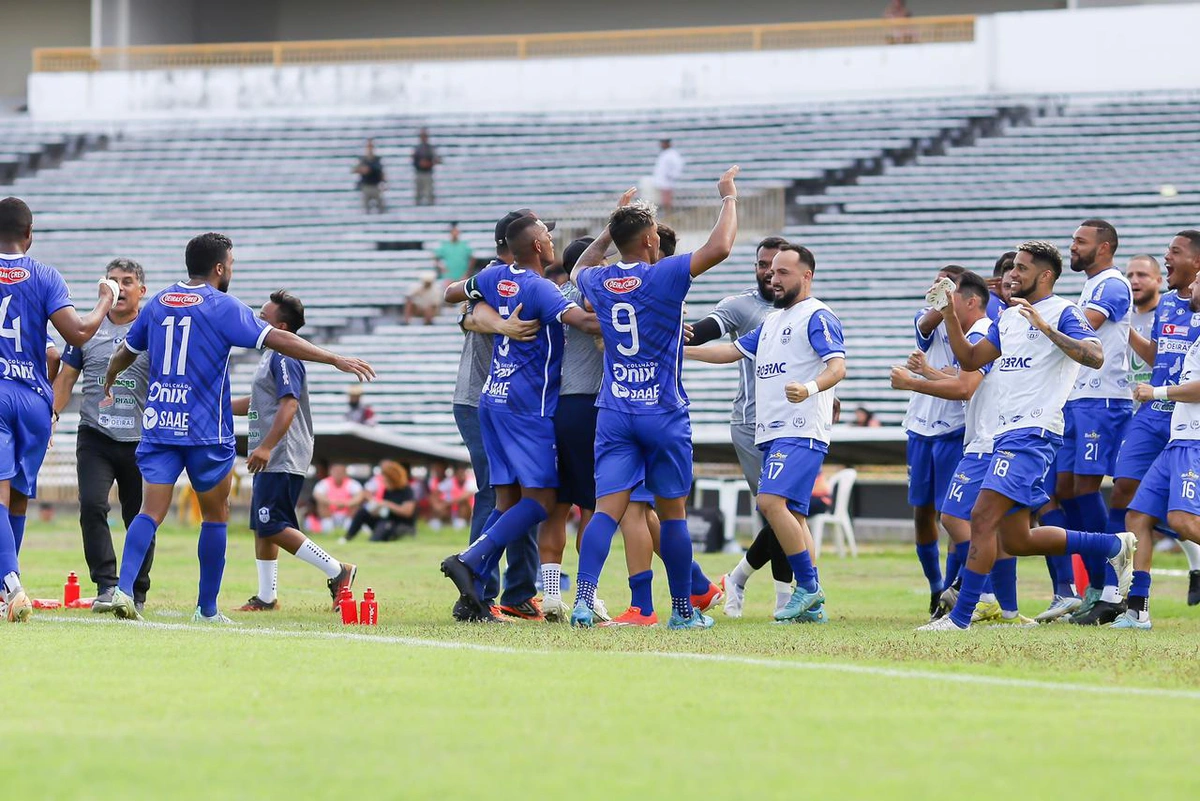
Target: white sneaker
[(938, 294), (218, 618), (735, 596), (942, 624), (554, 610), (600, 610), (1122, 563), (1061, 606), (18, 607)]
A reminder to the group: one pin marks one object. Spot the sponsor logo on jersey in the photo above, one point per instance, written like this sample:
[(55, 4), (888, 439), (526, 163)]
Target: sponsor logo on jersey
[(124, 400), (18, 370), (168, 393), (769, 369), (1092, 435), (635, 373), (507, 288), (778, 456), (798, 422), (1173, 345), (127, 383), (150, 418), (785, 336), (777, 424), (496, 390), (180, 300), (500, 371), (1190, 474), (1011, 363), (1174, 330), (962, 478), (117, 423), (645, 395), (13, 275), (621, 285)]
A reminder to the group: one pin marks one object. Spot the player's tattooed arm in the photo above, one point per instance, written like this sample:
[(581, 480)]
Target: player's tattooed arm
[(483, 319), (713, 354), (1088, 352)]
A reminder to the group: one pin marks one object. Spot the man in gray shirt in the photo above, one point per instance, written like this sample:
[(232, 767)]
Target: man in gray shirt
[(108, 433), (280, 449), (734, 317)]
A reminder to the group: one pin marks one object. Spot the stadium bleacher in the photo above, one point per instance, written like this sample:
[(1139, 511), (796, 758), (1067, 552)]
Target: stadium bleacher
[(883, 193)]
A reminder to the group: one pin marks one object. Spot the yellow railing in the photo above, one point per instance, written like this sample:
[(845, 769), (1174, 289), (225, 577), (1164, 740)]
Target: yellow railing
[(785, 36)]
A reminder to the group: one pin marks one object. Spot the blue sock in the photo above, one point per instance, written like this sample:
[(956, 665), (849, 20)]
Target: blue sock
[(1140, 588), (930, 563), (8, 545), (802, 568), (18, 529), (675, 549), (487, 524), (513, 523), (987, 585), (137, 542), (1070, 508), (968, 597), (700, 582), (1090, 544), (1062, 573), (1094, 517), (593, 548), (640, 591), (211, 551), (1116, 521), (956, 557), (1004, 583)]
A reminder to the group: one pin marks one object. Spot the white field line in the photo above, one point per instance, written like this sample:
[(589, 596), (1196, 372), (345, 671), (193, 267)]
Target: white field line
[(1163, 571), (779, 664)]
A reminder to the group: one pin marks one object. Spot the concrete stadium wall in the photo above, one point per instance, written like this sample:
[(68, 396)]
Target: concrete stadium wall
[(49, 23), (1031, 52)]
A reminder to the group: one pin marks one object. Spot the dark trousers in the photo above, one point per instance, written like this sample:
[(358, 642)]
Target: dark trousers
[(100, 460), (520, 577)]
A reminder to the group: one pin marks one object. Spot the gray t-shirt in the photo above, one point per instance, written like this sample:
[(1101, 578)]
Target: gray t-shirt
[(122, 419), (279, 377), (473, 367), (738, 315), (582, 361)]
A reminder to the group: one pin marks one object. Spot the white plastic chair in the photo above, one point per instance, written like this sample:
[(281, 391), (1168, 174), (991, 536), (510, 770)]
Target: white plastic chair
[(841, 485)]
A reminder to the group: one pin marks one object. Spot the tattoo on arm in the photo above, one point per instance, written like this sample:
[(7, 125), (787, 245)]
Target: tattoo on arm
[(1086, 352)]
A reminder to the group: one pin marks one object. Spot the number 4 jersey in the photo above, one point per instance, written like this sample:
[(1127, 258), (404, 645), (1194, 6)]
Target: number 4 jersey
[(29, 293), (187, 332)]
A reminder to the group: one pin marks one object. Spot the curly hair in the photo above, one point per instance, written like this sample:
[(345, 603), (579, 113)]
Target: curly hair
[(1043, 252), (628, 223)]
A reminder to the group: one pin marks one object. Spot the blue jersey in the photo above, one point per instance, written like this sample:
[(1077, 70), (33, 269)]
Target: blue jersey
[(995, 305), (1176, 327), (524, 377), (187, 332), (29, 293), (640, 308)]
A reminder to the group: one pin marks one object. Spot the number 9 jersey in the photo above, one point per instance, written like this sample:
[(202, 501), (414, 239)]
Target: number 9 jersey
[(640, 309), (187, 332)]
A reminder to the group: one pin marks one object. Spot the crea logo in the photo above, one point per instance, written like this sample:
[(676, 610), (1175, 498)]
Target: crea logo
[(619, 286), (180, 300), (13, 275), (508, 289)]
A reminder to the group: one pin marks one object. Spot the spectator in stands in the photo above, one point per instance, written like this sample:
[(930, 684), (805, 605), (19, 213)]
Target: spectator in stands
[(424, 299), (389, 508), (424, 159), (668, 169), (453, 258), (865, 418), (437, 507), (337, 499), (370, 179), (357, 411), (898, 9)]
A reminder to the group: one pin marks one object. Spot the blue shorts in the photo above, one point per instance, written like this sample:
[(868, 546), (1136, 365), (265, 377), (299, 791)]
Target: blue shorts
[(1171, 482), (520, 448), (206, 465), (575, 436), (641, 495), (965, 485), (24, 436), (1145, 437), (1021, 463), (273, 503), (931, 463), (656, 448), (790, 469), (1092, 434)]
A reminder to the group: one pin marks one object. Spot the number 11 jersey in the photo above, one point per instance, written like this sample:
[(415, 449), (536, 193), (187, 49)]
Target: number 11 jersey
[(640, 309), (187, 333)]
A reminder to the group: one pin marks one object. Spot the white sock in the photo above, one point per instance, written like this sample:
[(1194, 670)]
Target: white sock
[(311, 553), (10, 584), (783, 594), (1109, 595), (987, 598), (742, 573), (1008, 614), (550, 581), (1192, 551), (268, 579)]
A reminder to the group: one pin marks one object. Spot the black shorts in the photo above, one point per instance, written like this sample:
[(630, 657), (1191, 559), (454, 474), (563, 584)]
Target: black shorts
[(575, 435), (273, 503)]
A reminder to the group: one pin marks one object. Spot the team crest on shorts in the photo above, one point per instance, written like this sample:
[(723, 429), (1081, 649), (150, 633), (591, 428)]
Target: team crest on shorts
[(264, 514)]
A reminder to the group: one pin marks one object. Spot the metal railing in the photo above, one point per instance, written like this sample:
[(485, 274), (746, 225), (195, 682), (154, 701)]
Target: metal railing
[(783, 36)]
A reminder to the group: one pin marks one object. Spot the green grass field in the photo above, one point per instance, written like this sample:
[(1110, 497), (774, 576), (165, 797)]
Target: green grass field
[(294, 705)]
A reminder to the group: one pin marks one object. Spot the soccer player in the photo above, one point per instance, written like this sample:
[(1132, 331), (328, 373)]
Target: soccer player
[(1095, 416), (799, 356), (1168, 493), (643, 431), (31, 295), (188, 330), (935, 429), (736, 316), (280, 445), (108, 434), (1037, 346), (516, 411)]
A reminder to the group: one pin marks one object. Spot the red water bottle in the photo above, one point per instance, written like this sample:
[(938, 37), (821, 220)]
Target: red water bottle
[(368, 612), (348, 607), (71, 589)]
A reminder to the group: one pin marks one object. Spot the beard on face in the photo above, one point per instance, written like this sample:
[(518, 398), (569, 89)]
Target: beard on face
[(786, 299), (1082, 262), (766, 290), (223, 285)]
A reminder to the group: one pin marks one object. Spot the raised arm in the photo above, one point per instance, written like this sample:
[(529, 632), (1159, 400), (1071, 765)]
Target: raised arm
[(720, 240), (726, 353), (483, 319), (970, 357), (593, 255), (289, 344), (929, 320), (1088, 352), (76, 329)]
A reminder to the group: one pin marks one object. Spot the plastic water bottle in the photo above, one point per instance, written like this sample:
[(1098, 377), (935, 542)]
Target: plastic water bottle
[(71, 589), (368, 610), (347, 606)]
